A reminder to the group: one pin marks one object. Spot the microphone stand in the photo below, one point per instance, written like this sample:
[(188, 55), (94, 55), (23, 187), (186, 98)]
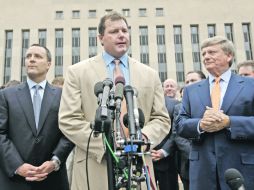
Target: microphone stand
[(110, 168)]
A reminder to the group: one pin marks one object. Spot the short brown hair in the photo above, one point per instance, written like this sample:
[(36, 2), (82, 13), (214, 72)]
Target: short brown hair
[(113, 16)]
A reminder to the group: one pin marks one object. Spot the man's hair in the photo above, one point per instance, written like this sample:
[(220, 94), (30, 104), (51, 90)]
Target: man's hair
[(46, 49), (200, 74), (226, 45), (246, 63), (12, 83), (58, 81), (113, 16)]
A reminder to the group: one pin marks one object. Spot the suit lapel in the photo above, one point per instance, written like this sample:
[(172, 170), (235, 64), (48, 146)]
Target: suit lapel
[(24, 98), (133, 73), (47, 101), (99, 68), (204, 93), (234, 88)]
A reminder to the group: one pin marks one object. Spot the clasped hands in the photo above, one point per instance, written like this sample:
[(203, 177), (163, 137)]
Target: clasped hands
[(214, 120), (35, 173)]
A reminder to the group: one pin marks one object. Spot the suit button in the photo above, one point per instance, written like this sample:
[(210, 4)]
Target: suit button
[(37, 140)]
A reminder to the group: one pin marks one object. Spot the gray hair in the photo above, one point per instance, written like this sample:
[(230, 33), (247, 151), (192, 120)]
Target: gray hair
[(226, 45)]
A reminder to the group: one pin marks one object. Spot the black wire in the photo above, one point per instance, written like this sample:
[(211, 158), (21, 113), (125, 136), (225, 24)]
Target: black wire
[(88, 143)]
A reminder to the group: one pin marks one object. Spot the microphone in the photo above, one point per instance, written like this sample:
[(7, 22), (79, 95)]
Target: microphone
[(128, 94), (98, 89), (119, 86), (135, 110), (234, 179), (107, 85), (141, 119)]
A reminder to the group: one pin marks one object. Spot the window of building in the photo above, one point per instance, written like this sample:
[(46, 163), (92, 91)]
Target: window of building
[(92, 41), (108, 11), (8, 55), (229, 32), (76, 14), (161, 52), (247, 41), (211, 30), (195, 48), (142, 12), (230, 35), (159, 12), (179, 54), (143, 42), (75, 45), (59, 15), (59, 52), (126, 12), (92, 13), (25, 46), (42, 37)]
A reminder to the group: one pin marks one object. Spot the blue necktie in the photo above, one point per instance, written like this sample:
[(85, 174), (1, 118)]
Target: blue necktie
[(37, 104)]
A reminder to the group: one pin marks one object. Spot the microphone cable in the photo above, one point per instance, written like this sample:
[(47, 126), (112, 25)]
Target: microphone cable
[(87, 149)]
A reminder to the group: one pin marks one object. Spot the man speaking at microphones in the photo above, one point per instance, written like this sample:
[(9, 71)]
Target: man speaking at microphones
[(78, 103)]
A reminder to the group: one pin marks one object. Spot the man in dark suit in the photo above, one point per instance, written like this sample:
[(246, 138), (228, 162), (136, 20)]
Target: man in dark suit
[(176, 144), (221, 125), (165, 168), (32, 150)]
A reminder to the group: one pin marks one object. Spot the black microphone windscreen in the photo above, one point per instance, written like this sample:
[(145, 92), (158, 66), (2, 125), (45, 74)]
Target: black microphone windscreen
[(141, 118), (98, 88), (233, 178), (125, 120)]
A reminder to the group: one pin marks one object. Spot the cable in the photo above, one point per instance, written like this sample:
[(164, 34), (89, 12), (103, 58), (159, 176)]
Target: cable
[(113, 155), (87, 149)]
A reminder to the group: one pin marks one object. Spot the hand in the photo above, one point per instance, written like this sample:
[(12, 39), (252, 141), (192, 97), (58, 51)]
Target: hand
[(157, 154), (31, 173), (214, 120), (47, 167)]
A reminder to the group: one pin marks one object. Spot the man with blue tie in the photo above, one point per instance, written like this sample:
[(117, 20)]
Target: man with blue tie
[(218, 116), (32, 148)]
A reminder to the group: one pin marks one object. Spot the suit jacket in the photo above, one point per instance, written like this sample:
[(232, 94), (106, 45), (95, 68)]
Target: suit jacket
[(21, 142), (228, 148), (79, 104), (167, 163)]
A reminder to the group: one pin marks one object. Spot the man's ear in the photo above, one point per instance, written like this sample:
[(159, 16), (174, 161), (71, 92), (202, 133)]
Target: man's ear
[(101, 39)]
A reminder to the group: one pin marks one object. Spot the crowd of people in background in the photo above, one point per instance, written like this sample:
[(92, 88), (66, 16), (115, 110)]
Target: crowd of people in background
[(203, 141)]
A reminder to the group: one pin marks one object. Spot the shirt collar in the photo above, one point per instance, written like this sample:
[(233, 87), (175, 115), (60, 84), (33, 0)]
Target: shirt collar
[(109, 59), (31, 83), (225, 76)]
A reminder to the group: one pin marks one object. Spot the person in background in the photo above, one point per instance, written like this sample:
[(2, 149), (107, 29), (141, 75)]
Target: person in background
[(165, 169), (33, 150), (246, 68), (12, 83), (177, 144), (218, 116), (58, 81), (79, 104)]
